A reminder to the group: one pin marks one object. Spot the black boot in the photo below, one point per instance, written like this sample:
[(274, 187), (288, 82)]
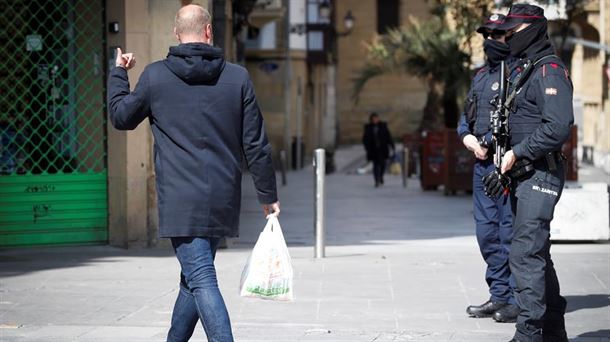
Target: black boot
[(555, 336), (484, 310), (507, 314), (533, 338)]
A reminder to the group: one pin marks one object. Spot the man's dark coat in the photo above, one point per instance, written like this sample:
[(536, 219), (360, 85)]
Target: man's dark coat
[(205, 120), (377, 149)]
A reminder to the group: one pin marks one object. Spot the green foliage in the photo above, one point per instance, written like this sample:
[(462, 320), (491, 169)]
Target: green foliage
[(430, 51), (438, 54), (466, 15)]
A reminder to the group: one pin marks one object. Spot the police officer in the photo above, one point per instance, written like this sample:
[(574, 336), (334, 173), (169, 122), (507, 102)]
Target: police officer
[(539, 123), (492, 216)]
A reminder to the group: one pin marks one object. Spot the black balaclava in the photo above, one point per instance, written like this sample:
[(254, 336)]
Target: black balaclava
[(531, 41), (496, 51)]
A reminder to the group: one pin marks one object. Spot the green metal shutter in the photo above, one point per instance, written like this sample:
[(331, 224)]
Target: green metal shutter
[(53, 180)]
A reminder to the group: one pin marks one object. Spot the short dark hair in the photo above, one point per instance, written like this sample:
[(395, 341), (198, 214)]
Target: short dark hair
[(372, 116)]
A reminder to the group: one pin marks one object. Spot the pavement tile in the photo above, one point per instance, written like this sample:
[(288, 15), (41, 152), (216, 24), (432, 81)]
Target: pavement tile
[(401, 265)]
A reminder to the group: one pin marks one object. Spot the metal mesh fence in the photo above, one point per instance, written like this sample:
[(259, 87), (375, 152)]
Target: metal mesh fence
[(52, 87)]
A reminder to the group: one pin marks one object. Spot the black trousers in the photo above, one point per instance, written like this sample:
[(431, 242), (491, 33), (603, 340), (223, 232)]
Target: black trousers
[(537, 292), (378, 169)]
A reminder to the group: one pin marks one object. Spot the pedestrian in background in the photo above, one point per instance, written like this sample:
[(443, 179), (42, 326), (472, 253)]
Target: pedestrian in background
[(377, 142), (493, 216), (539, 124), (205, 121)]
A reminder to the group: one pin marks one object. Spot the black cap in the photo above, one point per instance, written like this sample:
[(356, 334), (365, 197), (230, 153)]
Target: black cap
[(521, 13), (492, 23)]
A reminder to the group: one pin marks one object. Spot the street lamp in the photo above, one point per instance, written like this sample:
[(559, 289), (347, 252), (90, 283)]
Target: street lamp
[(325, 11), (348, 21), (322, 41)]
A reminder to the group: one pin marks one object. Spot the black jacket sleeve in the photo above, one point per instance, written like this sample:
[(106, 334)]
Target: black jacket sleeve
[(256, 147), (463, 128), (127, 109), (554, 100)]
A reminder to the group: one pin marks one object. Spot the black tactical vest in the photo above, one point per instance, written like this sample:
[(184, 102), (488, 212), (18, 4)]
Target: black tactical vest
[(526, 115)]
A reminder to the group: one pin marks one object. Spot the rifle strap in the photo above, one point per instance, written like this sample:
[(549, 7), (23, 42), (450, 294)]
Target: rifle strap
[(523, 76)]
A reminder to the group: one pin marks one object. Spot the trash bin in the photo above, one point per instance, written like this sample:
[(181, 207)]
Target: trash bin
[(432, 160), (459, 164)]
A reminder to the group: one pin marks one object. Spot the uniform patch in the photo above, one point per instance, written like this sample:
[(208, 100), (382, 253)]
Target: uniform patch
[(494, 17), (544, 190), (495, 86), (550, 91)]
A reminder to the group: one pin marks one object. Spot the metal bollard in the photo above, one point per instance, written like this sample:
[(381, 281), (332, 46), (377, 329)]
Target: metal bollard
[(283, 166), (319, 165), (405, 166)]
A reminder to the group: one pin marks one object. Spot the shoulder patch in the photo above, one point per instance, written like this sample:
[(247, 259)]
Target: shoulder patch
[(554, 68)]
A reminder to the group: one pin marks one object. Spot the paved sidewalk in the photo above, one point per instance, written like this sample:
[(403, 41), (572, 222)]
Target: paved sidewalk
[(402, 265)]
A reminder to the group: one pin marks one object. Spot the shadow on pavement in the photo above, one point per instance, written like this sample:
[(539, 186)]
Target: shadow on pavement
[(599, 333), (591, 301), (18, 261)]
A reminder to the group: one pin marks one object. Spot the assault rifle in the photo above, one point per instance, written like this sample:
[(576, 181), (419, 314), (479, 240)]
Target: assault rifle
[(496, 183), (499, 120)]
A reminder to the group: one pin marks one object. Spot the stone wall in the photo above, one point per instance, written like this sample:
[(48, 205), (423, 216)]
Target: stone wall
[(399, 99)]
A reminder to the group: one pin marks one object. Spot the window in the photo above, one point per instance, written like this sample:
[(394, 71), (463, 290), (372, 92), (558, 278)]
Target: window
[(388, 15), (263, 38), (313, 13)]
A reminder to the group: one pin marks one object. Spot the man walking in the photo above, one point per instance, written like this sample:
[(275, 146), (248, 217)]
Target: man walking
[(205, 120), (493, 216), (377, 142), (539, 123)]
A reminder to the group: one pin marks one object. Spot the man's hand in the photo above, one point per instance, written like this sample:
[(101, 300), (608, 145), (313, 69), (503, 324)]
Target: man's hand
[(508, 160), (481, 153), (471, 143), (125, 60), (272, 209)]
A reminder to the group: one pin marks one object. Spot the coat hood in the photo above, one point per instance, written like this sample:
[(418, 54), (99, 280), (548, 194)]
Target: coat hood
[(195, 63)]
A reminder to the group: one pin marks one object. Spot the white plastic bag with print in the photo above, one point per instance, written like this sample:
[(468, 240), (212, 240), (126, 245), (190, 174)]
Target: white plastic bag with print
[(268, 273)]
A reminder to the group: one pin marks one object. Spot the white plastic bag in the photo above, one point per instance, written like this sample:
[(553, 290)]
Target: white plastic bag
[(268, 273)]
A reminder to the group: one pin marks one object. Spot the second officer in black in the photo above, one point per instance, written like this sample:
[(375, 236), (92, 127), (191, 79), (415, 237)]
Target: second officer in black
[(539, 124)]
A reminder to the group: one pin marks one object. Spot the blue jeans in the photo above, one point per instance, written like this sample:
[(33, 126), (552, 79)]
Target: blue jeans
[(199, 296), (494, 230)]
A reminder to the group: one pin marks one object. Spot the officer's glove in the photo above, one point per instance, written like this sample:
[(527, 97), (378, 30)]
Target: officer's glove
[(496, 184)]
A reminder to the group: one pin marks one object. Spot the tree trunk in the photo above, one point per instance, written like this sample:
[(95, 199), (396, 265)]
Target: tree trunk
[(450, 107), (432, 108)]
